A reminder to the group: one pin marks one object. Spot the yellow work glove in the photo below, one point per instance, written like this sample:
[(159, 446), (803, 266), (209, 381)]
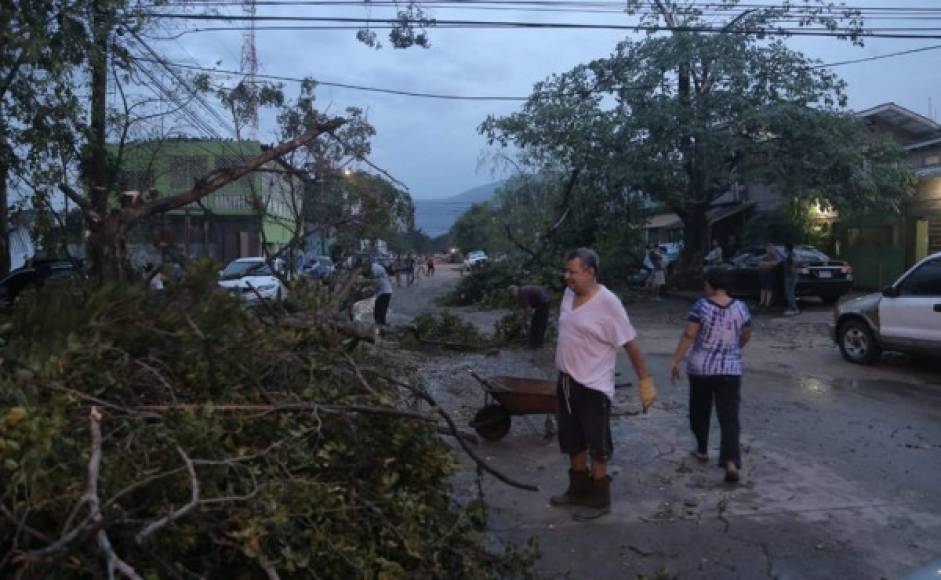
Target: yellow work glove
[(647, 392)]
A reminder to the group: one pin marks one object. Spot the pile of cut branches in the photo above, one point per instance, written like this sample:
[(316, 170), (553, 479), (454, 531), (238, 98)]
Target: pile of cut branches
[(180, 435)]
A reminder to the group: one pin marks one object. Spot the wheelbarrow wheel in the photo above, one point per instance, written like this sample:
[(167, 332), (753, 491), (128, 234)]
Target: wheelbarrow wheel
[(492, 422)]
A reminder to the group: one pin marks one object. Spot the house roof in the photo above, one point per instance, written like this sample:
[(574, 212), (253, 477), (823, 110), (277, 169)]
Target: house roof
[(663, 220), (922, 144), (902, 118), (719, 213)]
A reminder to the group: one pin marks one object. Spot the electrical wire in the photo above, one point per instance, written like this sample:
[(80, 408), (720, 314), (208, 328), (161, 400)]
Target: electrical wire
[(455, 97), (886, 32)]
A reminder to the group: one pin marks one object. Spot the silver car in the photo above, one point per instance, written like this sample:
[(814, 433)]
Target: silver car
[(904, 317)]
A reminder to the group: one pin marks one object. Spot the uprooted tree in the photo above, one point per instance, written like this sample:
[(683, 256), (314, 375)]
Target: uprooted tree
[(691, 114)]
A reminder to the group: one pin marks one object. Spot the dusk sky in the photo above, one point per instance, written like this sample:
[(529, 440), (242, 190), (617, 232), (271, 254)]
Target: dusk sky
[(433, 145)]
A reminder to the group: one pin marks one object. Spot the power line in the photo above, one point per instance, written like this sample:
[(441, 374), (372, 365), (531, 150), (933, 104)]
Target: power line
[(455, 97), (543, 7), (886, 32), (714, 6)]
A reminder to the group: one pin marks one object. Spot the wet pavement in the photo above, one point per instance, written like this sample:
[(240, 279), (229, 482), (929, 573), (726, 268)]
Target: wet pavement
[(840, 478)]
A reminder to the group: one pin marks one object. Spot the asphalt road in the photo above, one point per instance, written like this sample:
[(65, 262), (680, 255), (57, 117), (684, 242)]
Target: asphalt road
[(842, 464)]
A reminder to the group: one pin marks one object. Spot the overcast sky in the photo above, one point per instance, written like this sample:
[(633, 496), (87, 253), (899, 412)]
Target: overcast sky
[(433, 145)]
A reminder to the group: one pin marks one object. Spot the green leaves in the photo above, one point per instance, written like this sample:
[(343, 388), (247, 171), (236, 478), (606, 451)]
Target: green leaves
[(341, 491)]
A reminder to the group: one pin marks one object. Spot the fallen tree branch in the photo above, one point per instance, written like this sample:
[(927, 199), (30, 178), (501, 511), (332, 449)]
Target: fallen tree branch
[(447, 418), (182, 511), (287, 408)]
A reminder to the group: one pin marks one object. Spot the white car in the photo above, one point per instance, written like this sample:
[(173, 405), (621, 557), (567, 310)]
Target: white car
[(904, 317), (251, 279), (476, 258)]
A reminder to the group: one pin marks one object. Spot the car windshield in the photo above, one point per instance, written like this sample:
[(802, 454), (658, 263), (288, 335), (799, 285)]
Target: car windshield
[(325, 262), (811, 255), (476, 255), (239, 269)]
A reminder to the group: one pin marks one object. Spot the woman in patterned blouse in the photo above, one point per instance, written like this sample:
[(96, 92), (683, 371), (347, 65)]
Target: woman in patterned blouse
[(718, 327)]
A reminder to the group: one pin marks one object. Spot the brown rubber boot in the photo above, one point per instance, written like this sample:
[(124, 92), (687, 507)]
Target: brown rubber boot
[(579, 487), (598, 502)]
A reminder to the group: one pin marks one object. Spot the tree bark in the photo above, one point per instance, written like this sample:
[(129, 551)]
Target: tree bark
[(4, 213), (696, 230), (96, 178)]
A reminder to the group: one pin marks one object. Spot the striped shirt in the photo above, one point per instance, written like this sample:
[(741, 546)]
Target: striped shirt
[(717, 349)]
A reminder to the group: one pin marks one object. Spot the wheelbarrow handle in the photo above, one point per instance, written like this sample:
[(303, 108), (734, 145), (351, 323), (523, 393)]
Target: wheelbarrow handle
[(489, 386)]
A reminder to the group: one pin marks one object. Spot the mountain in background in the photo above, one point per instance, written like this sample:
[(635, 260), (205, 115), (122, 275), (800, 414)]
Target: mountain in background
[(436, 216)]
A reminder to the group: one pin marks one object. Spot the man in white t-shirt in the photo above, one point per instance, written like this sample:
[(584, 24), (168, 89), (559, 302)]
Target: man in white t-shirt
[(593, 326), (383, 293)]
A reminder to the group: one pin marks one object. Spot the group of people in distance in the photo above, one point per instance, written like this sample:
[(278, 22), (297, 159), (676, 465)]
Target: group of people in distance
[(593, 327), (412, 267)]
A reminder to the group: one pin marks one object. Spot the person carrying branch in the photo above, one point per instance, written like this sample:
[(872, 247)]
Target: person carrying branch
[(536, 298), (593, 326)]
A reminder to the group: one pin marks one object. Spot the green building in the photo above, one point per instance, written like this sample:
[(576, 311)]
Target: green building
[(255, 213)]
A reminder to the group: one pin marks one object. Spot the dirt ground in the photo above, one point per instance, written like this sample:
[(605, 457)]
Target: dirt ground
[(842, 463)]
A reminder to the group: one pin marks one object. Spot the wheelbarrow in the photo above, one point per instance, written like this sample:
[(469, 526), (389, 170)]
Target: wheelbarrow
[(508, 396)]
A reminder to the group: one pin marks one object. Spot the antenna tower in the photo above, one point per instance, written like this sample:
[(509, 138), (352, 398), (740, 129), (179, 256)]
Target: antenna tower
[(249, 69)]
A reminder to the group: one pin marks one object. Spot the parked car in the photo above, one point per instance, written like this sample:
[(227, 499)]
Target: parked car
[(820, 275), (252, 279), (317, 267), (904, 317), (34, 276), (475, 259)]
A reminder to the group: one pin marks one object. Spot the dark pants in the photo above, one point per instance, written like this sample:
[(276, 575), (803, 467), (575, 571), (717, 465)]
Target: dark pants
[(726, 391), (584, 417), (382, 306), (537, 327)]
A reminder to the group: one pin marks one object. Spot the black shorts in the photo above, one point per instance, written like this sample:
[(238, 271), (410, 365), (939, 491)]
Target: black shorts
[(584, 419)]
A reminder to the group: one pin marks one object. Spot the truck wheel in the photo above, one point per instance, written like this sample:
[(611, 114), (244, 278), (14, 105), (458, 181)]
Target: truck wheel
[(857, 343)]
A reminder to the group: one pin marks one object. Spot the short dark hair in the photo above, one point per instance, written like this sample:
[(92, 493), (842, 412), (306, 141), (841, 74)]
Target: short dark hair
[(587, 256), (718, 279)]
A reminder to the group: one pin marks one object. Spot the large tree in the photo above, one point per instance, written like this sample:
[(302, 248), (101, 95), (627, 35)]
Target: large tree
[(688, 115)]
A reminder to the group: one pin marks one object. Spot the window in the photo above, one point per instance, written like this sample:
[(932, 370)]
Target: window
[(240, 185), (925, 281), (134, 179), (932, 160), (185, 170)]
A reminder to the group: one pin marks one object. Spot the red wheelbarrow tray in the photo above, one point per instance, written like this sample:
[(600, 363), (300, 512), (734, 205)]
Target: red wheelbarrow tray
[(523, 396)]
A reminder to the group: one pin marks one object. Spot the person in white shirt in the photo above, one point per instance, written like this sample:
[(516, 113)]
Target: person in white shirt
[(383, 293), (593, 326)]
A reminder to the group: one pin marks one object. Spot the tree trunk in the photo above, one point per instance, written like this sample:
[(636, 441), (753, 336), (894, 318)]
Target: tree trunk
[(688, 273), (100, 247), (4, 213)]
